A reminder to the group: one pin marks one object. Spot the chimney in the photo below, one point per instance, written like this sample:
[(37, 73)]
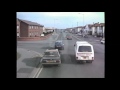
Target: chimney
[(98, 22)]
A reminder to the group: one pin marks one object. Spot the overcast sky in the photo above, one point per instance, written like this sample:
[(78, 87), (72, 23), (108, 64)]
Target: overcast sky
[(62, 19)]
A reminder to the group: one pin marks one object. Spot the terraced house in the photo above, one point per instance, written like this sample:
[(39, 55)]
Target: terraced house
[(27, 28), (18, 28)]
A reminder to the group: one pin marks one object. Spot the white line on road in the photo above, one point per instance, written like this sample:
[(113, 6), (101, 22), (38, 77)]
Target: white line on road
[(37, 53), (39, 72)]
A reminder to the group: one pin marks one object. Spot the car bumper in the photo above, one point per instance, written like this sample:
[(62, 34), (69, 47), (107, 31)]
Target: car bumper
[(51, 63), (84, 59), (69, 38), (58, 48)]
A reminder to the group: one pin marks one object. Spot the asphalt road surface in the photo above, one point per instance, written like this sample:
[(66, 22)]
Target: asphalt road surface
[(70, 69)]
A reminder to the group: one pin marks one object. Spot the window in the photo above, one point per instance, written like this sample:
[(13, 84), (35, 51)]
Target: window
[(17, 27), (29, 27), (51, 54), (18, 34), (84, 49), (30, 33)]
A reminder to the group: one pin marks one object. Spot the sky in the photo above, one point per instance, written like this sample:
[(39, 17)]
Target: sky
[(63, 20)]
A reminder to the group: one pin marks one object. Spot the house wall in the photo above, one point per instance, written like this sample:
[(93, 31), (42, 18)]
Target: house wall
[(23, 29)]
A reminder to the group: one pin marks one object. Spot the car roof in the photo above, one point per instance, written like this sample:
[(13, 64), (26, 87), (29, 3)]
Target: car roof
[(59, 41), (80, 43), (48, 50)]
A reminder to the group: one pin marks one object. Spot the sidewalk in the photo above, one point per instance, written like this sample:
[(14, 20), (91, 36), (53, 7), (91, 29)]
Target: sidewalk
[(27, 63)]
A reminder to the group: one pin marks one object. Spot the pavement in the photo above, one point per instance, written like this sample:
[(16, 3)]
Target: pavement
[(29, 61), (68, 68)]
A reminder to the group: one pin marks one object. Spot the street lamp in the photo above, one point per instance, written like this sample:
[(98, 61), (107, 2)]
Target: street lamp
[(54, 23), (83, 20)]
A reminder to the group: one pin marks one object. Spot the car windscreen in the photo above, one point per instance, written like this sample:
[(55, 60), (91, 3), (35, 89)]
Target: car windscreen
[(51, 54), (84, 49)]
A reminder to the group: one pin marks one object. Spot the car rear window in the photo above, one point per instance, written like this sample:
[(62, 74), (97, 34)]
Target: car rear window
[(51, 54), (58, 43), (84, 49)]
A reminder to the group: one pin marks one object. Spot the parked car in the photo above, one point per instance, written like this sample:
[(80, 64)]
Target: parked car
[(103, 41), (51, 57), (69, 37), (59, 45), (79, 34)]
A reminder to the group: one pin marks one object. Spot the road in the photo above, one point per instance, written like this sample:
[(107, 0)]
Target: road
[(69, 68)]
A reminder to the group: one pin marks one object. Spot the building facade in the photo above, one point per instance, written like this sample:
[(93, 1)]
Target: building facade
[(28, 29)]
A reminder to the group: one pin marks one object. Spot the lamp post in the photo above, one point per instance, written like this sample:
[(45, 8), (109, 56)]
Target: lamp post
[(54, 23), (83, 20)]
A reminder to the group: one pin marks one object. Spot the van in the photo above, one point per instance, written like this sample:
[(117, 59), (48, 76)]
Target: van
[(84, 52)]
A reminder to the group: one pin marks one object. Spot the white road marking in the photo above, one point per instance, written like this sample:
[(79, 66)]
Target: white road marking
[(37, 53), (39, 72)]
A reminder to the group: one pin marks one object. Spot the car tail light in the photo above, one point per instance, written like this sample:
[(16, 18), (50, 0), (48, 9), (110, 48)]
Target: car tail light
[(43, 61), (57, 60), (76, 57)]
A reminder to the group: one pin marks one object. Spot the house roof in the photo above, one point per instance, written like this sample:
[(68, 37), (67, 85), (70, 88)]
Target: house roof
[(90, 25), (30, 22), (102, 24), (96, 24)]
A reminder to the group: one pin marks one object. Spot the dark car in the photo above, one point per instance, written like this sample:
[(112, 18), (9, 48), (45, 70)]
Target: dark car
[(69, 37), (59, 45)]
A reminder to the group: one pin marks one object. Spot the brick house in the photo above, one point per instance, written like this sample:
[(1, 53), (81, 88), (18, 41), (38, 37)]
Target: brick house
[(29, 29), (18, 28)]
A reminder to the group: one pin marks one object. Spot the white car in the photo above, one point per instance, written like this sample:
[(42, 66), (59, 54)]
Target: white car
[(84, 52), (103, 41)]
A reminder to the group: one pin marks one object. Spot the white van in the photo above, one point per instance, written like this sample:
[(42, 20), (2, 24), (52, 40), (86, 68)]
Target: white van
[(84, 51)]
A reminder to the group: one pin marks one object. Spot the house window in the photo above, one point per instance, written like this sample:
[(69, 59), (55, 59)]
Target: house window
[(17, 27), (18, 34), (29, 27), (30, 33)]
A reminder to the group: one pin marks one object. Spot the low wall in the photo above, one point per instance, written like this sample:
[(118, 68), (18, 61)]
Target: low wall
[(33, 38)]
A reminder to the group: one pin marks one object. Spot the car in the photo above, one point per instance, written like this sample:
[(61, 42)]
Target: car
[(69, 37), (84, 52), (79, 34), (51, 57), (103, 41), (59, 45)]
